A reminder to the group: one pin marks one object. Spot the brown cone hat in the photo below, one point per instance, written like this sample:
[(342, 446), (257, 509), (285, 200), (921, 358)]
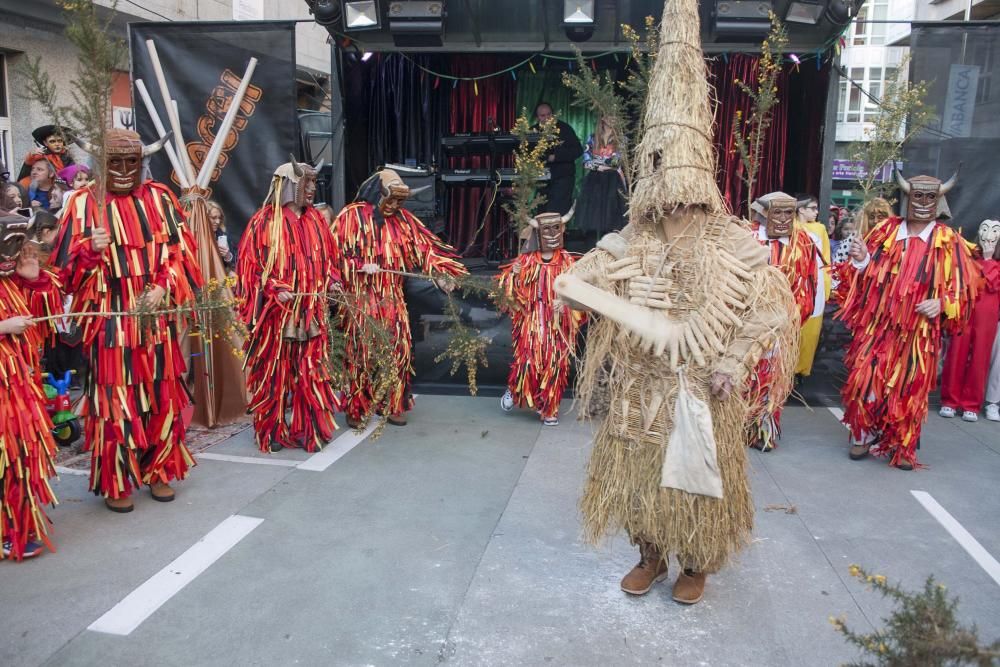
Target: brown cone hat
[(675, 159)]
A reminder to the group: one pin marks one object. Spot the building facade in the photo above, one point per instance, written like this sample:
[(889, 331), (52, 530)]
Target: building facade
[(35, 30), (871, 58)]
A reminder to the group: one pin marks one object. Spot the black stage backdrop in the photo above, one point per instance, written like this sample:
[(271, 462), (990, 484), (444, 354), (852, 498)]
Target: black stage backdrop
[(203, 64), (959, 64)]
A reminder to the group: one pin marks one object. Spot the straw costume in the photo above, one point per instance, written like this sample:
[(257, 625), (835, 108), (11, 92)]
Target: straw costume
[(967, 361), (795, 252), (142, 257), (26, 445), (375, 235), (684, 305), (543, 330), (286, 266), (914, 281)]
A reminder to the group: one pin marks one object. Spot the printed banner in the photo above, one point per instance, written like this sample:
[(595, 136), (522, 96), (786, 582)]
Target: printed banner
[(203, 64)]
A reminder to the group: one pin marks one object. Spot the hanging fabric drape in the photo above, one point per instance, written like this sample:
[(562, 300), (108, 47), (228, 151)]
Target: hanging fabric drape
[(471, 224), (730, 98)]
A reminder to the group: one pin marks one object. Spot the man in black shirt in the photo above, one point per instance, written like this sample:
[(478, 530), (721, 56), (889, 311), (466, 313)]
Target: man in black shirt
[(561, 162)]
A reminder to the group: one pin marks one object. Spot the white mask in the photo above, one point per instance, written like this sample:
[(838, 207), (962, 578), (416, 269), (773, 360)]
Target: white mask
[(989, 234)]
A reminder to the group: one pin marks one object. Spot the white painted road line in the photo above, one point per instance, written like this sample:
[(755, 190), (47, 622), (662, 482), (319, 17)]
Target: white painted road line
[(961, 535), (838, 413), (338, 448), (141, 603), (61, 470), (248, 459)]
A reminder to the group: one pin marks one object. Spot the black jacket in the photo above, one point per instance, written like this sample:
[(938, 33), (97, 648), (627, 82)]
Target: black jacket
[(567, 153)]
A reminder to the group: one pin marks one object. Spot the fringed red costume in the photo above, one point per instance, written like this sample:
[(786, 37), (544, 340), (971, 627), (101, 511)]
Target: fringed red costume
[(136, 393), (394, 242), (798, 259), (893, 356), (26, 445), (967, 362), (792, 250), (543, 333), (287, 347)]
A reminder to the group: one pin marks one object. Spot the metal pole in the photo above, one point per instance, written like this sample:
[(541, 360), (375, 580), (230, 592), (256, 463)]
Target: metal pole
[(829, 142)]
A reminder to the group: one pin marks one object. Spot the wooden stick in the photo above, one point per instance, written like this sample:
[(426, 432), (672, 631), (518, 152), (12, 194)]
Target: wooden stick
[(161, 131), (208, 165), (175, 123)]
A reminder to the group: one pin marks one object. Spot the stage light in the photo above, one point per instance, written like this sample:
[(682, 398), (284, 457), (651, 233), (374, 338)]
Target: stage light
[(742, 20), (841, 12), (366, 56), (805, 11), (415, 23), (327, 12), (361, 15), (578, 12), (578, 19)]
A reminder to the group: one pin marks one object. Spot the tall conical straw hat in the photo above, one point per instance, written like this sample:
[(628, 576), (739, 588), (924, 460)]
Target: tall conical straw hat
[(675, 159)]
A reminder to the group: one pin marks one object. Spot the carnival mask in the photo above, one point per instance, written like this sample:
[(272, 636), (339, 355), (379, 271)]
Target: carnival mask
[(780, 215), (123, 158), (925, 197), (13, 232), (551, 228), (393, 198), (989, 234), (393, 192)]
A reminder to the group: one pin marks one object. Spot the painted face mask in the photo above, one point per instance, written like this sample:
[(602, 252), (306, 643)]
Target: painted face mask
[(776, 211), (924, 197), (989, 234), (13, 232), (551, 228), (124, 156)]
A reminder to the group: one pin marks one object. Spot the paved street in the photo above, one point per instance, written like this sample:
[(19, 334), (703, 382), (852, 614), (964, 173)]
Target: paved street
[(456, 540)]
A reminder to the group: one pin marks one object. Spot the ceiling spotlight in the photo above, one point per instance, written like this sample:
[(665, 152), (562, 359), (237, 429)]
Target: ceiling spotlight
[(742, 20), (805, 11), (841, 12), (327, 12), (415, 23), (578, 19), (361, 15), (578, 12)]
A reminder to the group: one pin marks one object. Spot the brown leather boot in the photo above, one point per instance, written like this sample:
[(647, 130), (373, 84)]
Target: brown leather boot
[(398, 419), (689, 587), (161, 491), (120, 505), (652, 568)]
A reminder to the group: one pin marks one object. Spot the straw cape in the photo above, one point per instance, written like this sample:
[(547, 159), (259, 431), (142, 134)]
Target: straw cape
[(684, 287)]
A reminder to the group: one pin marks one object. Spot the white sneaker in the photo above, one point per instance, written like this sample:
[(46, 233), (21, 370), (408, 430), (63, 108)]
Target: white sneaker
[(969, 416), (946, 412), (507, 401), (551, 421), (993, 412)]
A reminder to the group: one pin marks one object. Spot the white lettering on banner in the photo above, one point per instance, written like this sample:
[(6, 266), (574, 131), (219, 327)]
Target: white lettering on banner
[(960, 104)]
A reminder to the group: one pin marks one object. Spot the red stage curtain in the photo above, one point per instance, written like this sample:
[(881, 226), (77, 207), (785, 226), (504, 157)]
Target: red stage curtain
[(730, 99), (471, 109)]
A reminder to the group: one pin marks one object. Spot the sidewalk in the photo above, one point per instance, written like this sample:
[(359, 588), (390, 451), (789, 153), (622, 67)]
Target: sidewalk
[(456, 540)]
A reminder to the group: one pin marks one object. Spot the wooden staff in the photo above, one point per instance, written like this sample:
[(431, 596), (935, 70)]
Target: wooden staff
[(175, 123), (161, 131)]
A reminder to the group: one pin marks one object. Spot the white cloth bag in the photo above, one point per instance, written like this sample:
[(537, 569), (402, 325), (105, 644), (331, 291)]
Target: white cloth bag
[(691, 462)]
